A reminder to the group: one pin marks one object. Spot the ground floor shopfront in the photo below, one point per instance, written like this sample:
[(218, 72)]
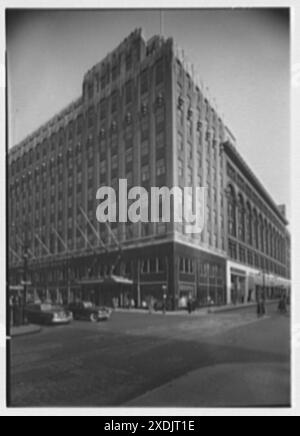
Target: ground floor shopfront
[(151, 273), (246, 285), (163, 272)]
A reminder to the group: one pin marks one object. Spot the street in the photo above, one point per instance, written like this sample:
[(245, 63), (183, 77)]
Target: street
[(119, 362)]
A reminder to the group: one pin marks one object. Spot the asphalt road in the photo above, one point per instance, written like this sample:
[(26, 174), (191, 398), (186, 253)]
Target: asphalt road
[(115, 362)]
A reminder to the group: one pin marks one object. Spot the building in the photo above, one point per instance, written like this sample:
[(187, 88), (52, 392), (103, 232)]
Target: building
[(144, 116)]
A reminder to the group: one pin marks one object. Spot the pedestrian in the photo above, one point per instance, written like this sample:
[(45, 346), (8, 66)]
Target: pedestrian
[(190, 305), (263, 305), (164, 305), (258, 307), (282, 306), (11, 307)]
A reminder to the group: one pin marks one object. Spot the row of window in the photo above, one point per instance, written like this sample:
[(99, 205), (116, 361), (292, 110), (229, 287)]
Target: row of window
[(244, 187), (250, 227), (153, 265), (251, 258), (27, 159), (111, 73)]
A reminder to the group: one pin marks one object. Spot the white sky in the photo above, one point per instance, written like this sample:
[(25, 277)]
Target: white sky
[(242, 55)]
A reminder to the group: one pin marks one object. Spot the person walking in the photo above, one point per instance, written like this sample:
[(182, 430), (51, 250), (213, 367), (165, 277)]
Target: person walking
[(190, 305), (263, 305), (282, 306), (258, 307), (164, 304)]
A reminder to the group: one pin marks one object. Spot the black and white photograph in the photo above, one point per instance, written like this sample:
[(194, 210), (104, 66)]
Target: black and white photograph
[(148, 209)]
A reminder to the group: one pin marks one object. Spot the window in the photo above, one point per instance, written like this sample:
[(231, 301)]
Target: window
[(129, 155), (160, 167), (161, 228), (145, 148), (103, 81), (90, 88), (189, 151), (70, 131), (114, 101), (144, 82), (146, 229), (160, 140), (145, 173), (241, 219), (115, 71), (114, 162), (97, 82), (128, 92), (102, 109), (160, 119), (90, 173), (190, 176), (90, 117), (129, 231), (145, 131), (215, 195), (128, 61), (232, 250), (231, 212), (180, 168), (103, 167), (255, 230), (180, 116), (129, 177), (179, 70), (199, 158), (242, 254), (180, 144), (102, 146), (160, 265), (159, 72), (145, 266)]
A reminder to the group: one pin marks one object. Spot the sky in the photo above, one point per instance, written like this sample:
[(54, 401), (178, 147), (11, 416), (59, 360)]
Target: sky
[(242, 55)]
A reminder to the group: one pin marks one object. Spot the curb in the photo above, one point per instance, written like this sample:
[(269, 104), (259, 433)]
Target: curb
[(32, 331), (238, 307)]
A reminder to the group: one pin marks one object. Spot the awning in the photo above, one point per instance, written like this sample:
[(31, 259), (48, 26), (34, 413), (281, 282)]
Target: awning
[(113, 279), (16, 288), (119, 280)]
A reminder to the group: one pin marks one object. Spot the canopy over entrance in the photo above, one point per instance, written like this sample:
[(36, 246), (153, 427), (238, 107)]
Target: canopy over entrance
[(109, 280)]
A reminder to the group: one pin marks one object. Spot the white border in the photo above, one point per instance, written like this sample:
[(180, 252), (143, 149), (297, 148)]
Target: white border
[(295, 213)]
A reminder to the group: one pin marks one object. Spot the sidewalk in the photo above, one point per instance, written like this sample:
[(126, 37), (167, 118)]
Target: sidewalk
[(24, 330), (198, 312), (232, 307)]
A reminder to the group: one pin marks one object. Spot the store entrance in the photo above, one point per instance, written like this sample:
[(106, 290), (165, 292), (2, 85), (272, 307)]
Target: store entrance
[(238, 289)]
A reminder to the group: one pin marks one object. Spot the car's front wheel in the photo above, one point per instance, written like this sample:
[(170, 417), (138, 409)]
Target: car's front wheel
[(94, 317)]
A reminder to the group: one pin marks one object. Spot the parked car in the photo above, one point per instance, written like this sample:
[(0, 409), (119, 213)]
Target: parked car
[(47, 313), (86, 310)]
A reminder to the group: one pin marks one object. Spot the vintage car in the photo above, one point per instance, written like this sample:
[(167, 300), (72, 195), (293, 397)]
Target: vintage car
[(48, 314), (86, 310)]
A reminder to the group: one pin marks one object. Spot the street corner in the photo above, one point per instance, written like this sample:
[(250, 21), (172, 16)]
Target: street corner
[(26, 330)]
